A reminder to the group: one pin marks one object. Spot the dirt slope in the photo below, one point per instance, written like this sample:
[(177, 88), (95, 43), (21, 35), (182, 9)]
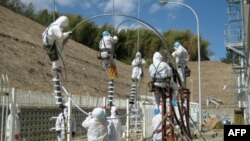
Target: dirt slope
[(23, 59)]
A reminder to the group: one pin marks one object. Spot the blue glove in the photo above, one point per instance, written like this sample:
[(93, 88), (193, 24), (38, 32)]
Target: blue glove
[(174, 102)]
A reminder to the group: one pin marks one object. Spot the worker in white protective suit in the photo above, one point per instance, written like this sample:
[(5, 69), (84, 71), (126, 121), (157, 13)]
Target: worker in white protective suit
[(137, 63), (114, 127), (181, 58), (62, 122), (106, 54), (54, 39), (97, 125), (157, 124), (17, 128), (159, 72)]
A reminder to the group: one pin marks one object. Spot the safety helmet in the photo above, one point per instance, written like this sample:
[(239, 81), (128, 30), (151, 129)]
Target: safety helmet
[(105, 33), (176, 44), (98, 113), (156, 110)]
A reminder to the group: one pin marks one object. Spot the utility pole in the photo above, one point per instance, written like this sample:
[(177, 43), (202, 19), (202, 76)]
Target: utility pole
[(54, 10)]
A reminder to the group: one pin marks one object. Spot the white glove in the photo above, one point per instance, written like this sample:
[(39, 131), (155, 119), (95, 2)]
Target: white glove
[(90, 114), (115, 38), (69, 33)]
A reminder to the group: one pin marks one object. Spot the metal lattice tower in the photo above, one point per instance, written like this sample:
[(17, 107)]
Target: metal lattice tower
[(235, 44)]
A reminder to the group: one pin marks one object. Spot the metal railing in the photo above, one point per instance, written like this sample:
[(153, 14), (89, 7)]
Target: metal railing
[(40, 99)]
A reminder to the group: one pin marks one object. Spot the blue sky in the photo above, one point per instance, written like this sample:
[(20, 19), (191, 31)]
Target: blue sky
[(211, 14)]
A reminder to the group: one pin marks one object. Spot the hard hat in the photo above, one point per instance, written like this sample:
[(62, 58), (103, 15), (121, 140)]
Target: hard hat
[(105, 33), (156, 110), (176, 44), (98, 113)]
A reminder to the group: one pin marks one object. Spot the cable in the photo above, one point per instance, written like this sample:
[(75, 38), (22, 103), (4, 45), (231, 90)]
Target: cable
[(66, 92), (197, 128), (64, 89)]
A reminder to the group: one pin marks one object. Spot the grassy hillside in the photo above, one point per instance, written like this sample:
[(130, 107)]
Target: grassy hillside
[(27, 65)]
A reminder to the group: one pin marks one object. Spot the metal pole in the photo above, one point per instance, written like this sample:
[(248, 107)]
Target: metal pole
[(69, 128), (138, 29), (12, 114), (113, 18), (128, 121), (192, 90), (136, 106), (54, 10), (2, 120), (163, 113), (199, 58), (171, 112)]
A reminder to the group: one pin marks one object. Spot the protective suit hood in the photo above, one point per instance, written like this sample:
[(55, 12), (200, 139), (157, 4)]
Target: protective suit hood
[(138, 55), (157, 57), (62, 21), (98, 113)]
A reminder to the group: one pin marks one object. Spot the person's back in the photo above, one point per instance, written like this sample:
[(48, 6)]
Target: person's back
[(96, 125), (97, 130), (159, 70), (114, 125), (53, 38), (54, 31)]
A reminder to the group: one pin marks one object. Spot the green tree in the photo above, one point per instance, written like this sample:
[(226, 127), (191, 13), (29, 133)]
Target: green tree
[(43, 17), (189, 41), (4, 2), (229, 57), (29, 11)]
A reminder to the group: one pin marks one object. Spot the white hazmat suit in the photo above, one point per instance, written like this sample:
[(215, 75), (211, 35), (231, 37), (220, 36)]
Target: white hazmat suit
[(61, 125), (115, 127), (159, 71), (106, 49), (17, 127), (181, 58), (53, 37), (157, 126), (97, 125), (137, 64)]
